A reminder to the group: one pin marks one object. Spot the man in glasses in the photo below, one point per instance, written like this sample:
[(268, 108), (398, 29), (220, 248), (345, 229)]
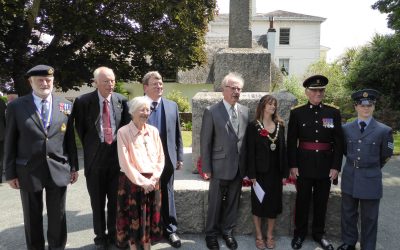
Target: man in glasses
[(221, 144), (369, 145), (315, 151)]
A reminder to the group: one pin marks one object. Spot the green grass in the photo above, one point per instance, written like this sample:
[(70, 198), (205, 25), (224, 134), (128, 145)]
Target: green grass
[(187, 138), (396, 136)]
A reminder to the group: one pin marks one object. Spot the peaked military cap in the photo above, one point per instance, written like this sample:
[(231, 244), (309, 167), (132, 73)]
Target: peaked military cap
[(315, 82), (40, 70), (365, 96)]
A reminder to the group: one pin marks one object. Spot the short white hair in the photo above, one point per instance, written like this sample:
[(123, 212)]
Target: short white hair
[(137, 103), (99, 69), (233, 76)]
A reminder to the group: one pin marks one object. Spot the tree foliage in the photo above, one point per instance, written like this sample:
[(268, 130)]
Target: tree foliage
[(77, 36), (377, 65), (392, 8)]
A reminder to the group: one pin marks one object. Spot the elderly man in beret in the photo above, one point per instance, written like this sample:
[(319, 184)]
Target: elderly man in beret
[(315, 152), (369, 145), (41, 155)]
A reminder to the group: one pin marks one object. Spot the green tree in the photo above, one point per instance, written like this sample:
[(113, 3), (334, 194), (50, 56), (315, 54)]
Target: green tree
[(377, 66), (392, 8), (75, 37)]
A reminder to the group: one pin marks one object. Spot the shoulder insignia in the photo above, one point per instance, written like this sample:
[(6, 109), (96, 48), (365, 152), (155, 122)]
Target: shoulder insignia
[(298, 106), (331, 105)]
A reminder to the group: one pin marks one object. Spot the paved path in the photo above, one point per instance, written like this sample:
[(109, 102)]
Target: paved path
[(80, 233)]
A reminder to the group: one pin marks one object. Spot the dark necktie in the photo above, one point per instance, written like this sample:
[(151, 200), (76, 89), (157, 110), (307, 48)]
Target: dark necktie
[(362, 126), (107, 130), (45, 113), (153, 106)]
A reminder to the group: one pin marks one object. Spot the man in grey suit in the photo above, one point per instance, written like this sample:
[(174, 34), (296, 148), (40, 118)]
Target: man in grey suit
[(41, 154), (165, 117), (369, 146), (222, 151), (98, 116)]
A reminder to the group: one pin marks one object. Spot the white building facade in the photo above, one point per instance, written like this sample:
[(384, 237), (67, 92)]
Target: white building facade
[(297, 38)]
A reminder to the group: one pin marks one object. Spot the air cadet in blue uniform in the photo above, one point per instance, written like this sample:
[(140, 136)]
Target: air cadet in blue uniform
[(369, 146), (315, 152)]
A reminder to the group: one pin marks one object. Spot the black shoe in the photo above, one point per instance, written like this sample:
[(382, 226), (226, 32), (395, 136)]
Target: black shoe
[(212, 242), (297, 242), (174, 240), (344, 246), (230, 241), (325, 244)]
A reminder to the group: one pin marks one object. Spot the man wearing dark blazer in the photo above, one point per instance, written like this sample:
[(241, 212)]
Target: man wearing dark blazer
[(2, 132), (222, 151), (369, 145), (165, 117), (41, 154), (98, 115)]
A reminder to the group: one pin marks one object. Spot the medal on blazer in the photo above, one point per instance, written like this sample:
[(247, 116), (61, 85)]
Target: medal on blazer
[(327, 123), (65, 108), (63, 127)]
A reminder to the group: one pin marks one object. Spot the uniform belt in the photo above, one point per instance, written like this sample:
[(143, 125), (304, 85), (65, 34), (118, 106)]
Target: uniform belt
[(315, 145)]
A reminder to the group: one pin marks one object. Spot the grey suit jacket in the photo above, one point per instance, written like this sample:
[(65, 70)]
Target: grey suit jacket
[(29, 148), (222, 150), (173, 131), (86, 114), (366, 154)]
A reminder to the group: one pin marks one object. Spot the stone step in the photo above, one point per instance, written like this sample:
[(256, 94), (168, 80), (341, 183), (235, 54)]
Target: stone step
[(191, 198)]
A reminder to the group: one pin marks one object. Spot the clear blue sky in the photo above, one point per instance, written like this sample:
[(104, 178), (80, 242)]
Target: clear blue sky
[(349, 23)]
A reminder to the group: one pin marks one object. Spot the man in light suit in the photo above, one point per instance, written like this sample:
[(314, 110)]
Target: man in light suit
[(369, 146), (98, 115), (41, 154), (165, 117), (222, 149)]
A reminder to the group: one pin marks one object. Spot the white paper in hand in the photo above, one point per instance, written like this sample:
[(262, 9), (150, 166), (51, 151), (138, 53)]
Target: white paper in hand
[(259, 192)]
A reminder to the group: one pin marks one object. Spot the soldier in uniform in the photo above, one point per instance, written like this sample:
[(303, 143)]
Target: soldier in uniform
[(315, 151), (369, 145)]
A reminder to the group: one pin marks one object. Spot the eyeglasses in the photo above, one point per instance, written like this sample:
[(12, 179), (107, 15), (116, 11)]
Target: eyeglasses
[(235, 88)]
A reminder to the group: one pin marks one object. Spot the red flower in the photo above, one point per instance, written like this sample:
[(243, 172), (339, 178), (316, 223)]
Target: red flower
[(264, 132)]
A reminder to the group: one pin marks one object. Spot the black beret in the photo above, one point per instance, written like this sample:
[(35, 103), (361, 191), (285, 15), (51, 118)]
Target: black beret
[(365, 96), (315, 82), (40, 70)]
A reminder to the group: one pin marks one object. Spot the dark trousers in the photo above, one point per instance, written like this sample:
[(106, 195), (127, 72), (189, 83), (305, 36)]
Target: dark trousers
[(168, 211), (32, 204), (369, 210), (1, 160), (222, 215), (316, 190), (102, 185)]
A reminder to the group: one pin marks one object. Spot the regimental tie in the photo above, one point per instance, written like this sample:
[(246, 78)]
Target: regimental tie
[(234, 119), (153, 106), (362, 126), (107, 130), (45, 114)]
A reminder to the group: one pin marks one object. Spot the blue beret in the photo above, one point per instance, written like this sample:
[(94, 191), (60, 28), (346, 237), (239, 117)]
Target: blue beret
[(315, 82), (365, 96), (40, 70)]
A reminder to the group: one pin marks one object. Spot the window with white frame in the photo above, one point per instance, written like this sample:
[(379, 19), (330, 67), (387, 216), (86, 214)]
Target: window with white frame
[(284, 36), (284, 65)]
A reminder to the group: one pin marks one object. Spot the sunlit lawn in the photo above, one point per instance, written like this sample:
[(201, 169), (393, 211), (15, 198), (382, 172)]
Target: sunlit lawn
[(397, 143), (187, 138)]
